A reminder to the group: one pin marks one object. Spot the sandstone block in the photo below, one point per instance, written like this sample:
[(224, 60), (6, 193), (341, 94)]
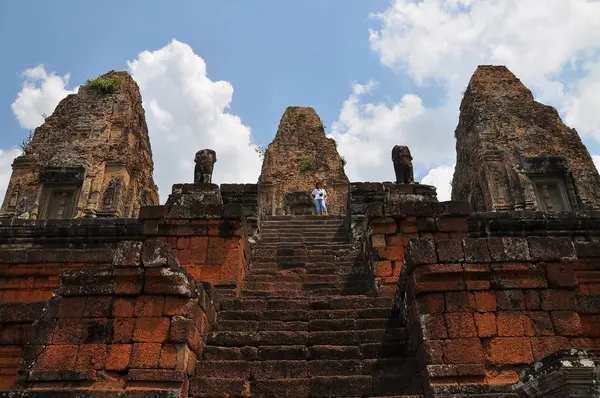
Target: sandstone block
[(460, 301), (421, 251), (460, 324), (118, 357), (557, 300), (486, 301), (149, 306), (433, 327), (57, 357), (464, 350), (127, 254), (155, 253), (538, 323), (509, 350), (566, 323), (145, 355), (450, 251), (485, 324)]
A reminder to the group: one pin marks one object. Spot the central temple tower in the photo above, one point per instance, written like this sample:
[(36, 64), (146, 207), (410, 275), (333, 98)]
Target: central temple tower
[(299, 156)]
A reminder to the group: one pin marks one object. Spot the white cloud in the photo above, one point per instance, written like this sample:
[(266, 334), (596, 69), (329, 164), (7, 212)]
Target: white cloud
[(445, 40), (367, 132), (581, 106), (550, 45), (185, 112), (441, 178), (6, 159), (596, 159), (39, 95)]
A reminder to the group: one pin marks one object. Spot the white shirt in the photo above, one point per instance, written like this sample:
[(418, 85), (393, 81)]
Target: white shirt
[(316, 192)]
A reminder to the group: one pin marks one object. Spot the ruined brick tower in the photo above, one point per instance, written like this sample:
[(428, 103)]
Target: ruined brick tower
[(299, 156), (91, 158), (514, 153)]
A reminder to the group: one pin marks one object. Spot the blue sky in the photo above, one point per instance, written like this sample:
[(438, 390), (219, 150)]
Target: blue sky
[(274, 53), (378, 72)]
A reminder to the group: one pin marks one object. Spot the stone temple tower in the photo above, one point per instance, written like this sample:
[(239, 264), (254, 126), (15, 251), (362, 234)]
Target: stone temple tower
[(514, 153), (299, 156), (91, 157)]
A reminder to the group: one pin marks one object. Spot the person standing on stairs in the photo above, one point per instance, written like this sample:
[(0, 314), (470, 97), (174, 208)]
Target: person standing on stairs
[(319, 196)]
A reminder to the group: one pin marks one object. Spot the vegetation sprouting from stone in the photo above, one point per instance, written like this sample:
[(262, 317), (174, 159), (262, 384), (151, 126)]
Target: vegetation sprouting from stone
[(307, 163), (26, 142), (107, 85), (343, 161), (261, 151)]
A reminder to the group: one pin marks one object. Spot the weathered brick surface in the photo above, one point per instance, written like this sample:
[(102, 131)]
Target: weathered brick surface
[(506, 303), (85, 335)]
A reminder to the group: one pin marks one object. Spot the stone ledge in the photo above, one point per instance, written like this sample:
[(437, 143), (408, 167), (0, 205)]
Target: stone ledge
[(39, 256), (585, 224), (21, 312)]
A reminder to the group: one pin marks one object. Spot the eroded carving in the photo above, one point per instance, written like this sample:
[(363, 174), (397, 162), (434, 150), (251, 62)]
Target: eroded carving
[(403, 164), (205, 162)]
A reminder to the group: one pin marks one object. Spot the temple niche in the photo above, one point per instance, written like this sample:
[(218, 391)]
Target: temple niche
[(90, 158), (299, 156), (514, 153)]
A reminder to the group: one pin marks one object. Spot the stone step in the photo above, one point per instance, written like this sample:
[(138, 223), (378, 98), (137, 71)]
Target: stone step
[(290, 314), (285, 258), (277, 233), (284, 369), (291, 277), (301, 248), (357, 337), (305, 217), (304, 269), (303, 229), (291, 262), (300, 388), (271, 293), (239, 339), (305, 222), (306, 293), (317, 325), (273, 270), (217, 387), (227, 338), (337, 284), (282, 250), (305, 239), (380, 305), (377, 351), (302, 224), (273, 286), (318, 386), (256, 370)]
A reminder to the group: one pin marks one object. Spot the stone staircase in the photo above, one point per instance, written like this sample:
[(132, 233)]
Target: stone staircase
[(306, 324)]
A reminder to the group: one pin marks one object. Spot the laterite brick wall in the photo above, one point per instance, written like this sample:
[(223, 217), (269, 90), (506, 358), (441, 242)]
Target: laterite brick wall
[(28, 279), (480, 310), (136, 326), (390, 228), (212, 249)]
